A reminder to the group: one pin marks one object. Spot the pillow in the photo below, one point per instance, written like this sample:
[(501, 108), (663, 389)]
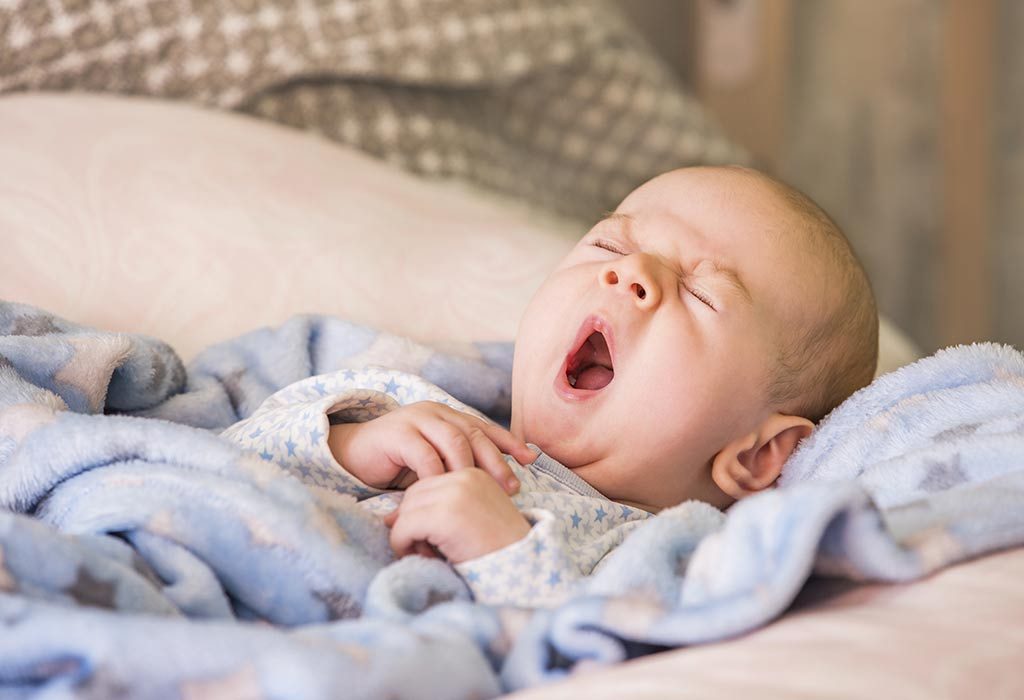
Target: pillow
[(195, 226)]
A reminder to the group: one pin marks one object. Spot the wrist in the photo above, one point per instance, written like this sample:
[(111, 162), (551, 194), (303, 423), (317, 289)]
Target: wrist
[(339, 438), (514, 533)]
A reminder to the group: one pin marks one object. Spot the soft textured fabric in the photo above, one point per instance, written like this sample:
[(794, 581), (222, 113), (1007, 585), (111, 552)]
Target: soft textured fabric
[(573, 526), (560, 102), (137, 551)]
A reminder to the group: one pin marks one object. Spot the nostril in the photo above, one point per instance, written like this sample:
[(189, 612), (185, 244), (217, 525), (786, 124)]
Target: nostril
[(639, 291), (610, 277)]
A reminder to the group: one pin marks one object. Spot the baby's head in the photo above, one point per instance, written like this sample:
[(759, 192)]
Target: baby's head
[(692, 338)]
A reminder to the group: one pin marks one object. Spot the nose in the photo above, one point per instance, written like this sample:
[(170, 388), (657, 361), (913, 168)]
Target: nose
[(634, 275)]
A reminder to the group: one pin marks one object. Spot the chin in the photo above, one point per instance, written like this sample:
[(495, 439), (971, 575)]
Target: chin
[(550, 442)]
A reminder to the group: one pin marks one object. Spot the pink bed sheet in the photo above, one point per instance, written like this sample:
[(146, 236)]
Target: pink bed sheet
[(957, 634)]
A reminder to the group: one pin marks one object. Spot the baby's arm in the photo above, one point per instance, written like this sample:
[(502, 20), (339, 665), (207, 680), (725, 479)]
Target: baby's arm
[(291, 429), (425, 439)]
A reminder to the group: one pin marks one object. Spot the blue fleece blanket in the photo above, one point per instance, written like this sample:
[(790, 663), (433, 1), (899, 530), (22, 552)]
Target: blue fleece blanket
[(143, 556)]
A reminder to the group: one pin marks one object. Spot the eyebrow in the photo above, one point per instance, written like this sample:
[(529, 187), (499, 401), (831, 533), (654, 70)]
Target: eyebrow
[(730, 277)]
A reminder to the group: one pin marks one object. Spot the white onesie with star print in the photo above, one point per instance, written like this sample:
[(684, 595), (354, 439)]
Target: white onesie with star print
[(573, 526)]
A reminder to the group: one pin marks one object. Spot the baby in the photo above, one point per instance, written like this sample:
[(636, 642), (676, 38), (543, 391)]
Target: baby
[(681, 351)]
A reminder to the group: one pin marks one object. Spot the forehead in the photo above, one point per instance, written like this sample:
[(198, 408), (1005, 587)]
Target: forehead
[(726, 209), (739, 220), (733, 218)]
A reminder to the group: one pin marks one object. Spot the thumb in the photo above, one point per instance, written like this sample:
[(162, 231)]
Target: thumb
[(390, 518)]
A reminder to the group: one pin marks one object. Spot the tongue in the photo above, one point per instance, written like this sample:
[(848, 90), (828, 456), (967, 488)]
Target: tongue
[(594, 377)]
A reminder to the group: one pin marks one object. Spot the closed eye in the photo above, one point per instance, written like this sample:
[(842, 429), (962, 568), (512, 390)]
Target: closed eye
[(609, 246), (704, 298)]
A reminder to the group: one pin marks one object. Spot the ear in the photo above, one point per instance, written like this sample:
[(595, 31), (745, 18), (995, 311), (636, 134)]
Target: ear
[(752, 462)]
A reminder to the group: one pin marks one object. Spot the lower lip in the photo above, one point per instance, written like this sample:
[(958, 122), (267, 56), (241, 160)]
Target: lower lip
[(570, 393), (562, 386)]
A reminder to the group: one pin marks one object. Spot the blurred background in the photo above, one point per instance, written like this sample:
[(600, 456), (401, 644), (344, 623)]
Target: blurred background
[(904, 119)]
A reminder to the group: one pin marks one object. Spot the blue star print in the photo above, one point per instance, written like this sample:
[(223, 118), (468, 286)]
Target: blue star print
[(599, 513), (291, 447), (576, 520)]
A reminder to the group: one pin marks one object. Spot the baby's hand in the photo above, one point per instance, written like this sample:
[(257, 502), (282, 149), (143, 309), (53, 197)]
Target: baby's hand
[(463, 515), (425, 439)]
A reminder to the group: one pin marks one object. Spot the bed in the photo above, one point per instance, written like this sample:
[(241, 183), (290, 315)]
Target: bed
[(151, 217)]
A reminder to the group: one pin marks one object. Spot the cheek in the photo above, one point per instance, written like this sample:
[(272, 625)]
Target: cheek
[(678, 378), (537, 334), (546, 314)]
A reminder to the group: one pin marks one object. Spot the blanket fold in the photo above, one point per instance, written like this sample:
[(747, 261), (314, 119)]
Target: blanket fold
[(141, 551)]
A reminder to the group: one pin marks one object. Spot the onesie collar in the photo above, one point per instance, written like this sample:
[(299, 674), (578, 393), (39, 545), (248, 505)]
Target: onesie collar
[(562, 474)]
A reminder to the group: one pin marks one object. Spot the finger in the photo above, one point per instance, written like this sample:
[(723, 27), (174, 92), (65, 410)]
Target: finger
[(450, 442), (425, 549), (406, 478), (403, 478), (419, 455), (390, 518), (406, 532), (507, 442), (426, 491), (489, 458)]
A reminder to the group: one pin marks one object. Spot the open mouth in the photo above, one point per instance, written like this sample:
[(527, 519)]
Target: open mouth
[(589, 367)]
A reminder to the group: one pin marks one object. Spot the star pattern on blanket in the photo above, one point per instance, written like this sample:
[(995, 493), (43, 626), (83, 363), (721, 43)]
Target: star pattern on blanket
[(943, 474), (340, 605), (101, 684), (33, 325), (88, 589), (7, 582), (956, 432)]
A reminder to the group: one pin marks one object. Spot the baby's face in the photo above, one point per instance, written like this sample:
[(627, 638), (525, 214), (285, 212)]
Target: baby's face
[(652, 344)]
